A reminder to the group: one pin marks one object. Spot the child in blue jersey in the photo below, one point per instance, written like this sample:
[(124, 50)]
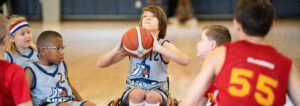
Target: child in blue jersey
[(48, 78), (21, 50), (147, 79)]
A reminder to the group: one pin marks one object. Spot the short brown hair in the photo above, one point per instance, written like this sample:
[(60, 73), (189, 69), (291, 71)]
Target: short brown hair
[(255, 16), (162, 19), (218, 33)]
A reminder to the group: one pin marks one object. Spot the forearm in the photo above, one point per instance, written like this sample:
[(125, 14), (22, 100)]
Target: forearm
[(175, 55), (75, 94), (201, 83), (194, 94), (293, 86), (107, 59), (203, 101)]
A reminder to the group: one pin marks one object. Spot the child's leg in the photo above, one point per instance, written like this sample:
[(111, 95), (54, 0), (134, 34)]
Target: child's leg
[(81, 103), (87, 103), (136, 96), (64, 104), (155, 98), (59, 104)]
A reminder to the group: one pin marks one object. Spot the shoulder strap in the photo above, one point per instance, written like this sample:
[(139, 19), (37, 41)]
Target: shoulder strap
[(10, 57)]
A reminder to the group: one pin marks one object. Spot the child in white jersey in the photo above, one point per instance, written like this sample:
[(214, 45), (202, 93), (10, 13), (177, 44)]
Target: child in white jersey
[(48, 78), (21, 50), (147, 80)]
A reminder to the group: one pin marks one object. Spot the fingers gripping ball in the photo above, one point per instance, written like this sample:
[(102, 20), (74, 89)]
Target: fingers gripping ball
[(137, 42)]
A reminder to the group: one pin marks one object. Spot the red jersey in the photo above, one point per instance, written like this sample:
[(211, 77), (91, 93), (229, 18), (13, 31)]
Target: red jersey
[(211, 94), (13, 86), (252, 75)]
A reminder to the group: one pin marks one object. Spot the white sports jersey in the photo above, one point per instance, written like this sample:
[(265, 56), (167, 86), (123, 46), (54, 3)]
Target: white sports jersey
[(8, 56), (24, 59), (148, 73), (50, 84)]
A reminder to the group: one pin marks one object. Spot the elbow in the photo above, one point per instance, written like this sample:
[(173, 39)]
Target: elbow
[(185, 61), (101, 64)]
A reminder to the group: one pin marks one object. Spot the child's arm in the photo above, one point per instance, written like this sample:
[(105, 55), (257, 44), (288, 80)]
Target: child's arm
[(111, 57), (203, 101), (29, 103), (29, 77), (294, 85), (170, 51), (203, 80), (75, 92)]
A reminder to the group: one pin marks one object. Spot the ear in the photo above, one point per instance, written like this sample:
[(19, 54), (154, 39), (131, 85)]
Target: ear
[(213, 44), (236, 25), (12, 39), (272, 26), (42, 51)]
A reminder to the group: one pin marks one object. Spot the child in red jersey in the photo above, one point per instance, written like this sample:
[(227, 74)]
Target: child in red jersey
[(13, 86), (248, 71), (212, 36)]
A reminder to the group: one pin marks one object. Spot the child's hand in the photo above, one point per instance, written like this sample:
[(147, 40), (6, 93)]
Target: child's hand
[(119, 48), (156, 46)]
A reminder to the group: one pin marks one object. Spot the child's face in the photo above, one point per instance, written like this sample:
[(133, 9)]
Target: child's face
[(150, 21), (54, 53), (204, 46), (22, 38)]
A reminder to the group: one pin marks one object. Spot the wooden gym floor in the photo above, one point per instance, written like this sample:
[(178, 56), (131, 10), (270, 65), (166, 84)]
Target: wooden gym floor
[(87, 40)]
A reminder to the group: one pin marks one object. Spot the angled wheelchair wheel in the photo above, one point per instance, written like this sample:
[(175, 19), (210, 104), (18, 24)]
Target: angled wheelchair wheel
[(115, 102)]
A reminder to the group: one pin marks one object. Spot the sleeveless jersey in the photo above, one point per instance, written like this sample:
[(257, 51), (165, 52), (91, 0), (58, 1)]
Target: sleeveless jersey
[(148, 73), (50, 84), (24, 59), (252, 75)]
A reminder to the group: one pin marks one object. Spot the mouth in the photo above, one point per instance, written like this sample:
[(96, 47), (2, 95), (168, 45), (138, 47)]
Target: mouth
[(28, 41), (61, 59), (147, 22)]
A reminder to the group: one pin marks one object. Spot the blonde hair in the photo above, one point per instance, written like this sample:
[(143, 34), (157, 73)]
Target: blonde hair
[(11, 46)]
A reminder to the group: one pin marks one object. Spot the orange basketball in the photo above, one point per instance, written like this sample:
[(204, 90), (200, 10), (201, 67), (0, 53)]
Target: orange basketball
[(137, 42)]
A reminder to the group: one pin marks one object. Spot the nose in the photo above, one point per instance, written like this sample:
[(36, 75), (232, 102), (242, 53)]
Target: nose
[(147, 18), (62, 52), (28, 35)]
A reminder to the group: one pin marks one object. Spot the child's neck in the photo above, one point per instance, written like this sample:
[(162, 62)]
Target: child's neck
[(155, 33), (44, 62), (256, 40), (253, 39), (21, 48)]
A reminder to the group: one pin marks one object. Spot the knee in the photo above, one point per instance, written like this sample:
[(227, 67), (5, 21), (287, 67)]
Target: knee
[(153, 97), (89, 104), (64, 104), (137, 95)]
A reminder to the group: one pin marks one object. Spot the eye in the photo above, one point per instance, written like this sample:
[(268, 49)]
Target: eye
[(62, 47), (23, 33)]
